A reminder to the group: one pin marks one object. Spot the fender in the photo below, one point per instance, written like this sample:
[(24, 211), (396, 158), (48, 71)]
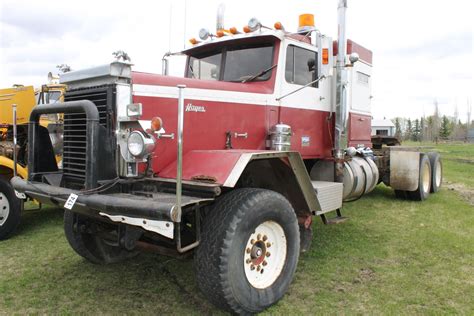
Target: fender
[(226, 167), (7, 163), (404, 169)]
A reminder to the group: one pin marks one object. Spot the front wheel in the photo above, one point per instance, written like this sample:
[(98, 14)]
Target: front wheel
[(10, 210), (249, 250), (94, 241)]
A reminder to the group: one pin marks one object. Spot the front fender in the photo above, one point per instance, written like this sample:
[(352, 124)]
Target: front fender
[(226, 167), (8, 164)]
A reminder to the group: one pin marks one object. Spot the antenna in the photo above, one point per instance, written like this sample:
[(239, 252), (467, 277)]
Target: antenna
[(169, 28), (185, 18)]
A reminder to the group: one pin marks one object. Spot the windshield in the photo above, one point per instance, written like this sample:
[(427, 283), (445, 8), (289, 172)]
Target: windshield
[(234, 64)]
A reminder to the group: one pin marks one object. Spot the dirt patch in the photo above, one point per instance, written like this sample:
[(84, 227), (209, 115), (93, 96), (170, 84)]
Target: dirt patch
[(461, 160), (365, 275), (466, 193)]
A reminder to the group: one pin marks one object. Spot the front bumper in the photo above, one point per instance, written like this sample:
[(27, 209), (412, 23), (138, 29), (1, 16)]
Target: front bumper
[(157, 207)]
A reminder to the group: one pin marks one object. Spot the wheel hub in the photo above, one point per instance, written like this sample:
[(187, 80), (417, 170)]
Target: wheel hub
[(4, 208), (261, 267), (257, 253)]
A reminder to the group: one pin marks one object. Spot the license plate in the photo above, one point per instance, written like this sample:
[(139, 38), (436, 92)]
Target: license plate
[(71, 200)]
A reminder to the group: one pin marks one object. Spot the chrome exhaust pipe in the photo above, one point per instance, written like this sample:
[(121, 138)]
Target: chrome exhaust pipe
[(340, 131)]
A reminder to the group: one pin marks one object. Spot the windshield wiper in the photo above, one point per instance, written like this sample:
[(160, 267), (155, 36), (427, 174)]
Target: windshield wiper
[(261, 73)]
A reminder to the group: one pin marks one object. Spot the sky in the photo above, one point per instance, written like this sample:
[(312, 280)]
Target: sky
[(422, 49)]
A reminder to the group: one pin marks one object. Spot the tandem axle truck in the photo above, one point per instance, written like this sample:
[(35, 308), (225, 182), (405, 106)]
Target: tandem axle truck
[(267, 130)]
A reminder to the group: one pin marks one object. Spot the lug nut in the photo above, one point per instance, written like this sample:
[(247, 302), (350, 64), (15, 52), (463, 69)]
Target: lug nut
[(267, 254), (248, 250), (265, 238), (264, 263), (259, 236), (252, 241), (258, 268), (252, 267), (269, 245), (248, 261)]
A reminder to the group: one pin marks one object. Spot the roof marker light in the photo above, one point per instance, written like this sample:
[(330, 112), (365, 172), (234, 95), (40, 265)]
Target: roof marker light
[(220, 33), (278, 26), (194, 41), (233, 30), (247, 29)]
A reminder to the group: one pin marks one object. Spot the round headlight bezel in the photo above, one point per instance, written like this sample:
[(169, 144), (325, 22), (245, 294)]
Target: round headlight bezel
[(147, 144)]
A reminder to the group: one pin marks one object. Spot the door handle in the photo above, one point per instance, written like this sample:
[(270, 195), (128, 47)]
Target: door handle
[(243, 135)]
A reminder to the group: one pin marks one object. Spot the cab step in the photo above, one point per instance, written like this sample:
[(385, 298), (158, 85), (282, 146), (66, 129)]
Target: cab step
[(329, 195), (335, 220)]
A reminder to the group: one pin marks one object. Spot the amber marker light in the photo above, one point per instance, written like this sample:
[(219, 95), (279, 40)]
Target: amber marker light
[(233, 30), (220, 33), (156, 124), (193, 41), (247, 29), (325, 56), (278, 26)]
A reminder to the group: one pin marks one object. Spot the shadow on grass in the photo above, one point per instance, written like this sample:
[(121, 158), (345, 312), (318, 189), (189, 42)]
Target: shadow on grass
[(168, 284), (33, 219)]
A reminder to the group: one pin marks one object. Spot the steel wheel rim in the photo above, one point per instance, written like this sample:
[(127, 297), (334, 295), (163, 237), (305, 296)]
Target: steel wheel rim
[(438, 174), (265, 254), (4, 208), (425, 177)]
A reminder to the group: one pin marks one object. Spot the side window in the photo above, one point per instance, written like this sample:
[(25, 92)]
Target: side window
[(300, 65), (207, 68)]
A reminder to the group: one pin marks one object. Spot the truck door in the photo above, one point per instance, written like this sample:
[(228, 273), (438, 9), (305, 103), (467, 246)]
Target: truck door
[(307, 110)]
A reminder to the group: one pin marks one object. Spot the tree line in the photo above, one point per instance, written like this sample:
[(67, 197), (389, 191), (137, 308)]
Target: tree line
[(434, 127)]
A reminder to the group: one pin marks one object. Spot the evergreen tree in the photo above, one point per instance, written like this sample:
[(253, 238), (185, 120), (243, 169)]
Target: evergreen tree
[(445, 129), (398, 128), (429, 123), (409, 130), (416, 131), (422, 129)]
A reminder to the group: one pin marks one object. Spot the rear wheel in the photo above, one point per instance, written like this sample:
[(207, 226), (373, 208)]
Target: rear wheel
[(79, 233), (10, 210), (424, 181), (436, 171), (249, 250)]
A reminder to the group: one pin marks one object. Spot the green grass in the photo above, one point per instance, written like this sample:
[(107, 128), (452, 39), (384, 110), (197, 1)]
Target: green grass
[(391, 257)]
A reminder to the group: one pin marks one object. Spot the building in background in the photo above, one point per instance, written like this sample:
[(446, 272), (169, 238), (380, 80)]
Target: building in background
[(383, 128)]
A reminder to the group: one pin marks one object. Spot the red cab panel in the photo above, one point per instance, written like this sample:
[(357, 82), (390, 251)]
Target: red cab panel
[(359, 129)]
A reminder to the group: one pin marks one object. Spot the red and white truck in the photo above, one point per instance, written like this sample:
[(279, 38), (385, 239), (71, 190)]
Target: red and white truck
[(268, 129)]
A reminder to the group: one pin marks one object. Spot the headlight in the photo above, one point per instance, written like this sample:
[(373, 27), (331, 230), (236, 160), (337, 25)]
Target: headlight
[(140, 145)]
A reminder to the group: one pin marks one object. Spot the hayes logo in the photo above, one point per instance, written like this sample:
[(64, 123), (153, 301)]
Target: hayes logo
[(195, 108)]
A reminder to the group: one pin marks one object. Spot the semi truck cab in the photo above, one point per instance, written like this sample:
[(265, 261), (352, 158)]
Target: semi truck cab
[(267, 129)]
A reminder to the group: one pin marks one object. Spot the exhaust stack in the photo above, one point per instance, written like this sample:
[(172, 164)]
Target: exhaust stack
[(340, 135)]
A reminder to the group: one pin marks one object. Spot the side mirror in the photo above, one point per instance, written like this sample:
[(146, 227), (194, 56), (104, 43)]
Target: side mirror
[(353, 58)]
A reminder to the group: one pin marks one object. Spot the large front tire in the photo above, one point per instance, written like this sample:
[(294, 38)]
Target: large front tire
[(90, 246), (10, 210), (249, 250)]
